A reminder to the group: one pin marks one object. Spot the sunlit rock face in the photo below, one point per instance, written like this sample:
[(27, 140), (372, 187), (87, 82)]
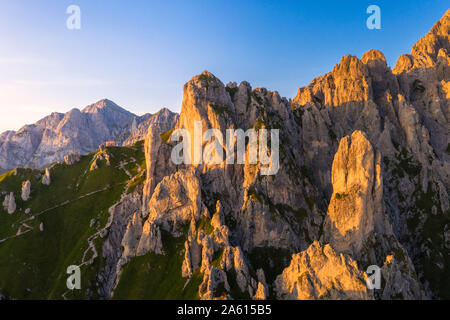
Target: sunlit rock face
[(357, 224), (348, 82), (429, 50), (357, 234)]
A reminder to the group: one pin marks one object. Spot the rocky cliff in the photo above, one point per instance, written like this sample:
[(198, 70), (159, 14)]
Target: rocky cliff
[(363, 180)]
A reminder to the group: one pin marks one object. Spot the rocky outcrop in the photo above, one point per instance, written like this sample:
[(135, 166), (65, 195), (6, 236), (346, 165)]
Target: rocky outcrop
[(9, 204), (212, 279), (72, 158), (404, 114), (262, 283), (234, 210), (101, 156), (363, 177), (192, 257), (357, 224), (357, 235), (150, 240), (321, 273), (356, 206), (261, 292), (176, 196), (175, 200), (26, 190), (400, 279), (46, 179), (427, 52), (119, 245), (348, 82), (131, 236)]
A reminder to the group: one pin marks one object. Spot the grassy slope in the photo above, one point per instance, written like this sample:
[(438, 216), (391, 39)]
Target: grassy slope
[(34, 265), (157, 277)]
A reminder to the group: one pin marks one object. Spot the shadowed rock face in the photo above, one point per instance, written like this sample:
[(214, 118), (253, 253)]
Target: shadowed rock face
[(58, 135)]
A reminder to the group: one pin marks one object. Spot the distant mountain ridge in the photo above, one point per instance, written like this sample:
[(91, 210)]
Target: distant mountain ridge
[(51, 138), (363, 185)]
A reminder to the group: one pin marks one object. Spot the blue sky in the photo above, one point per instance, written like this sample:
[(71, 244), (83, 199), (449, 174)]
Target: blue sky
[(140, 53)]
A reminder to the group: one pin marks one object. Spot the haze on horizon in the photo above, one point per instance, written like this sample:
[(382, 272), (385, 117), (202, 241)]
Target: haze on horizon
[(140, 55)]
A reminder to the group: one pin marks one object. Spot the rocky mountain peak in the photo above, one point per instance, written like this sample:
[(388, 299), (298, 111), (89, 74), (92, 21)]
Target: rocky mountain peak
[(164, 111), (356, 203), (348, 82), (106, 105), (201, 91), (205, 99), (373, 55), (321, 273), (429, 49), (350, 66), (442, 27)]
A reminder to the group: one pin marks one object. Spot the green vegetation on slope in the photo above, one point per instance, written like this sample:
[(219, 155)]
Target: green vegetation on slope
[(33, 265)]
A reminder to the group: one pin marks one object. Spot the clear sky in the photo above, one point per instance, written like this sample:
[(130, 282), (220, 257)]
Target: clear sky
[(139, 53)]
